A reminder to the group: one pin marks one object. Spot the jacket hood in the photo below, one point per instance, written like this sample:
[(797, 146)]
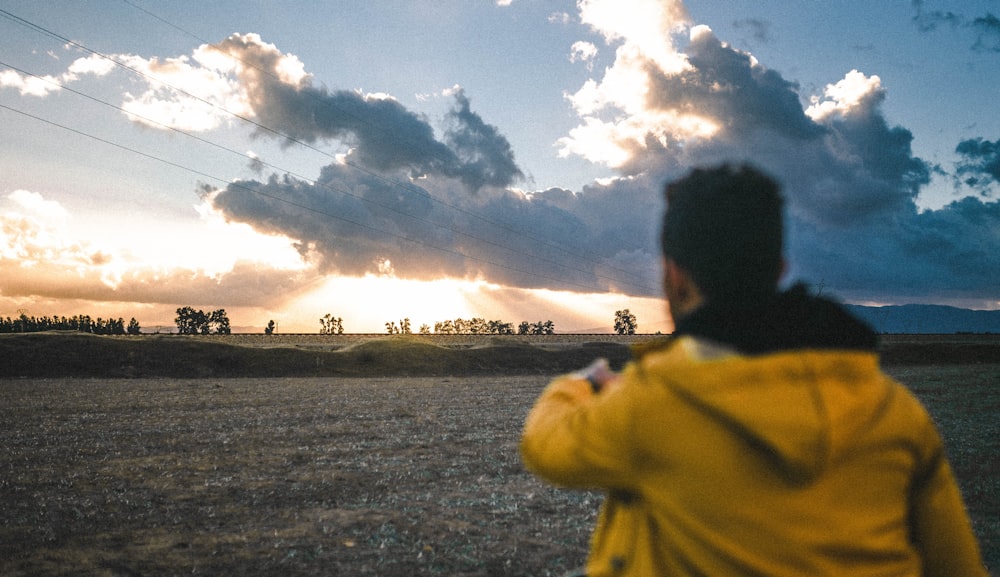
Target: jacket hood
[(807, 377), (798, 408)]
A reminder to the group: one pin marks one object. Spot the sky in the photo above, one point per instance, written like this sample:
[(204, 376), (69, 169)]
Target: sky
[(505, 159)]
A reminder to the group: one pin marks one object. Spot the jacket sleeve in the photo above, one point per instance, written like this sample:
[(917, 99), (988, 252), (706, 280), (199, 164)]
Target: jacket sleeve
[(575, 437), (939, 522)]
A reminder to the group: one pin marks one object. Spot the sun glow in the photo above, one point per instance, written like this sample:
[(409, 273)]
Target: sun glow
[(367, 303)]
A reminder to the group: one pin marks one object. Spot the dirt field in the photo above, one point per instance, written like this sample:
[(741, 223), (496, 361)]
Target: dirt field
[(335, 476), (277, 477)]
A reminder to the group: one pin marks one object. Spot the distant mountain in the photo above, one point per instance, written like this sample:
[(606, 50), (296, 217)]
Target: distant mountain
[(927, 319)]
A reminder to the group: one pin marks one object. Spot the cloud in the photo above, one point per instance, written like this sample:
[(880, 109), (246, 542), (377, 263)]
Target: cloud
[(27, 85), (850, 176), (180, 93), (485, 157), (381, 133), (662, 107), (560, 18), (980, 164), (986, 28), (930, 20), (582, 51), (420, 201), (759, 29), (350, 222), (40, 258), (731, 89), (41, 86)]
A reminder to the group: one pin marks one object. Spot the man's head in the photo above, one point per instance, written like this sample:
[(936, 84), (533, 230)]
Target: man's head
[(722, 231)]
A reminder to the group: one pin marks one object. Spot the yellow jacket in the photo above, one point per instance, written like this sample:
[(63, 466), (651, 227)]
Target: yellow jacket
[(791, 463)]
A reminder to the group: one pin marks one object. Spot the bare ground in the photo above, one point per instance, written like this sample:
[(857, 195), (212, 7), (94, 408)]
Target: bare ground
[(337, 475), (278, 477)]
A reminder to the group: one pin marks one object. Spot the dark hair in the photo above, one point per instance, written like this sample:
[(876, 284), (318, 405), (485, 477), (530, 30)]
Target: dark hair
[(723, 225)]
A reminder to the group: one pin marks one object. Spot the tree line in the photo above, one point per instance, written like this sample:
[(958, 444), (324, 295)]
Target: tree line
[(79, 323), (625, 324), (192, 321)]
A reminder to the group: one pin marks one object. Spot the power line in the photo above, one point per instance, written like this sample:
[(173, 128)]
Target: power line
[(278, 168), (406, 186), (390, 182), (257, 191)]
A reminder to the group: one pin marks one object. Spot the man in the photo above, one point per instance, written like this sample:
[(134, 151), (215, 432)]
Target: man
[(762, 439)]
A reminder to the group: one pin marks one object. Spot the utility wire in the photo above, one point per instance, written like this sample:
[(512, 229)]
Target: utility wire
[(301, 177), (406, 186), (411, 188), (300, 205)]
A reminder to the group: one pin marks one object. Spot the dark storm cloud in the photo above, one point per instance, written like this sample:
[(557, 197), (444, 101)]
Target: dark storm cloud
[(367, 215), (988, 29), (850, 165), (915, 256), (980, 164), (850, 177), (353, 223), (486, 156), (723, 84), (382, 133)]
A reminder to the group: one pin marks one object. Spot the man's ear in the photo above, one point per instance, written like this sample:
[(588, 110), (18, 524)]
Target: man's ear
[(683, 294)]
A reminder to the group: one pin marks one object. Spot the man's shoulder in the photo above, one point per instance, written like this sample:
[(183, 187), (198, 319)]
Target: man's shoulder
[(686, 347)]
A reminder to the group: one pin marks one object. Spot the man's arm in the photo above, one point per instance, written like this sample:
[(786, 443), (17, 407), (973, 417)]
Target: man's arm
[(576, 435), (941, 527)]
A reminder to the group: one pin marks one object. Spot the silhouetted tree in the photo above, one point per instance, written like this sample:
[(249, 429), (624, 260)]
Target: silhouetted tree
[(499, 328), (220, 321), (625, 323), (539, 328), (196, 322), (331, 325), (188, 321)]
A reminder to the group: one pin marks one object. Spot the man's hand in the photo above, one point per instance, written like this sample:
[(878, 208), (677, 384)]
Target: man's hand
[(599, 374)]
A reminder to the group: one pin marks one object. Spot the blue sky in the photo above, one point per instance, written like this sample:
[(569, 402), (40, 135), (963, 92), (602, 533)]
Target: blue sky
[(505, 160)]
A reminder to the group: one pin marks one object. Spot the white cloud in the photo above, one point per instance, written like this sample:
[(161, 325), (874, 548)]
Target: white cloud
[(560, 18), (95, 65), (29, 85), (645, 26), (854, 91), (582, 51), (184, 95), (34, 203), (42, 251), (32, 234), (618, 118)]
